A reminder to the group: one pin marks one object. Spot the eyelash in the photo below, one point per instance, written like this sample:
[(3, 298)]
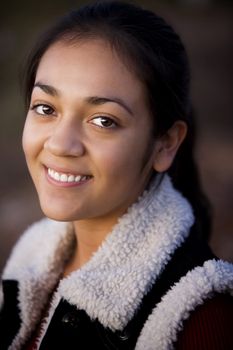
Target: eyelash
[(36, 107), (108, 119), (104, 118)]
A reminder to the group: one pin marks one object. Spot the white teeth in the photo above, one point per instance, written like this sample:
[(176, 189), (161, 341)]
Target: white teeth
[(78, 178), (56, 176), (63, 178), (66, 178), (71, 178)]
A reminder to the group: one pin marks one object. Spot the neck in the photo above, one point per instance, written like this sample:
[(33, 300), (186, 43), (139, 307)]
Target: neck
[(89, 236), (90, 233)]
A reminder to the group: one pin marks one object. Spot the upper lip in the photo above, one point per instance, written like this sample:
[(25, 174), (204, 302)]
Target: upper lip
[(66, 171)]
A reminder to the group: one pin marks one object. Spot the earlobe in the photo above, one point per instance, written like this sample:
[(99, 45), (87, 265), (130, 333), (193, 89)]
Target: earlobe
[(167, 146)]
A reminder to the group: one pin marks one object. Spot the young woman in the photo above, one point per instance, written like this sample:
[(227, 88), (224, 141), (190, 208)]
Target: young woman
[(121, 261)]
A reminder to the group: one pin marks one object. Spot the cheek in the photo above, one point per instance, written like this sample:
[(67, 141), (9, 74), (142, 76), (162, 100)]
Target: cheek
[(122, 158), (30, 140), (26, 139)]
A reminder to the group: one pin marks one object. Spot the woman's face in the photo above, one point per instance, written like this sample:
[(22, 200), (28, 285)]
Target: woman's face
[(87, 136)]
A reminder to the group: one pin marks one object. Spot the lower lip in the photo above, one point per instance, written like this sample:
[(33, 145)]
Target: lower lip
[(65, 184)]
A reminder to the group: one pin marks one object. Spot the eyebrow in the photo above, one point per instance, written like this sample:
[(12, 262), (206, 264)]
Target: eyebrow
[(97, 100), (93, 100), (50, 90)]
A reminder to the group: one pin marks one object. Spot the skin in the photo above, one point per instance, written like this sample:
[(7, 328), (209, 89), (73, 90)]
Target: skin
[(68, 130)]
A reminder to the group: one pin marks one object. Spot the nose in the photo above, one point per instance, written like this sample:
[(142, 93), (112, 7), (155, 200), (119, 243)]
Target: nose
[(65, 140)]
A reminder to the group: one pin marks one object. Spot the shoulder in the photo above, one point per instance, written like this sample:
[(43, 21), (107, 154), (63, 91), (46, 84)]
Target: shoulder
[(209, 326), (191, 293), (38, 244)]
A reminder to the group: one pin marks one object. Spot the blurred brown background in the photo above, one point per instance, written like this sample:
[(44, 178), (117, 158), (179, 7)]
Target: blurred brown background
[(206, 28)]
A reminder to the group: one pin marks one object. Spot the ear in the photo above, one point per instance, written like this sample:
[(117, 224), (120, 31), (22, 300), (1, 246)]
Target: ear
[(167, 146)]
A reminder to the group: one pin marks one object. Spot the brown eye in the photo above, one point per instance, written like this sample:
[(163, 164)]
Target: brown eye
[(104, 122), (43, 109)]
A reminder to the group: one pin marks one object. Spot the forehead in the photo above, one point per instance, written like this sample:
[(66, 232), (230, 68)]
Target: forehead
[(91, 66)]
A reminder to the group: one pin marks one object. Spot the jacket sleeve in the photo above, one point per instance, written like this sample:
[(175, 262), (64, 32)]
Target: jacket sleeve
[(209, 327)]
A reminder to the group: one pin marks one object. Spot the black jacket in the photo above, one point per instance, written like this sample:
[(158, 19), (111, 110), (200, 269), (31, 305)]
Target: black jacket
[(135, 293)]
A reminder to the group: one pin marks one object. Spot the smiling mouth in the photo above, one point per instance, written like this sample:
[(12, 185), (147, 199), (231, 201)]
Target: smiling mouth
[(67, 178)]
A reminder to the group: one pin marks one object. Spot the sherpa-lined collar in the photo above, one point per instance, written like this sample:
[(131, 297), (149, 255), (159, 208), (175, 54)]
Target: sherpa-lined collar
[(111, 285)]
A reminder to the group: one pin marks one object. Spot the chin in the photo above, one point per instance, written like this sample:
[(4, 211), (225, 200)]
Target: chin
[(59, 214), (56, 216)]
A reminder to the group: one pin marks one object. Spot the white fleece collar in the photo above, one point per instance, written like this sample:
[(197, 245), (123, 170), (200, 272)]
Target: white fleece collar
[(36, 262), (111, 285)]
